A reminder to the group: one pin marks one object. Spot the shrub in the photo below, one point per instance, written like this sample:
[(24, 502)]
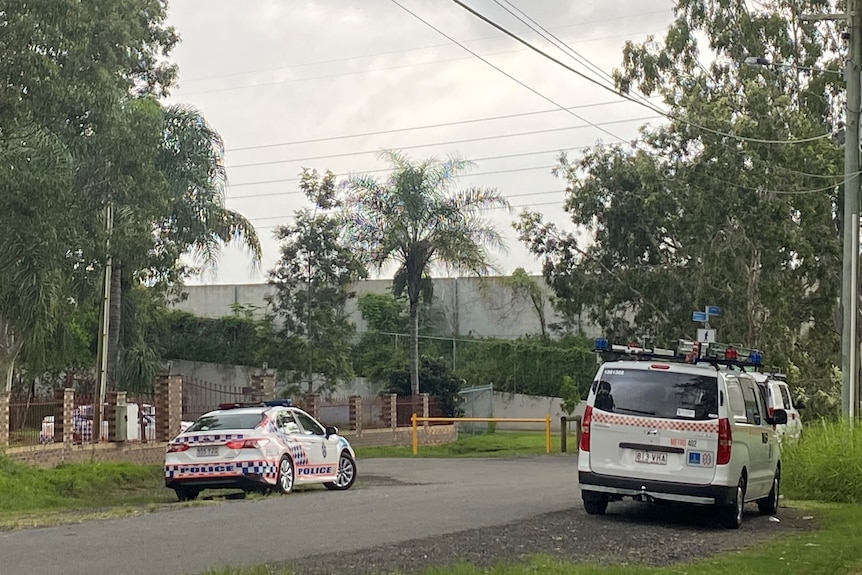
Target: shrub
[(826, 465)]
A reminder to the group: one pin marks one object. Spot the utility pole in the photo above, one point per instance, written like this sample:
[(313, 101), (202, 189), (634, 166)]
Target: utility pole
[(104, 327), (849, 281)]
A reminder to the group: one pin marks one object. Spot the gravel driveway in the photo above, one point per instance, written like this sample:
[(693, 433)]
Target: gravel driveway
[(630, 533)]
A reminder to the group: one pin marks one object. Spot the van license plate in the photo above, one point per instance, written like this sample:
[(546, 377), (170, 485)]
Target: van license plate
[(652, 457), (207, 451)]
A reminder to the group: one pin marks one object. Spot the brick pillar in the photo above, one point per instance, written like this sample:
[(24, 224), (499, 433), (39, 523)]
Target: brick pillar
[(110, 415), (312, 404), (262, 386), (425, 411), (59, 422), (355, 413), (67, 418), (169, 406), (4, 419), (390, 410)]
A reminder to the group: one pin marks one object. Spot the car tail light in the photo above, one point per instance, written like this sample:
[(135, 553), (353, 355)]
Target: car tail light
[(585, 429), (246, 443), (725, 442), (178, 447)]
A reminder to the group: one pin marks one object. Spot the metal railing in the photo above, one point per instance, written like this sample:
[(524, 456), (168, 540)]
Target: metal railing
[(415, 420)]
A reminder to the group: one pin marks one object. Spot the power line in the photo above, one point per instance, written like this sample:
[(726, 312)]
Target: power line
[(555, 203), (425, 127), (508, 196), (668, 115), (431, 47), (293, 193), (519, 82), (445, 143)]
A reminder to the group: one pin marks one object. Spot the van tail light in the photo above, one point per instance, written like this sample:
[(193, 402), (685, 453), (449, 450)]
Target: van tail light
[(177, 447), (771, 411), (725, 442), (246, 443), (584, 445)]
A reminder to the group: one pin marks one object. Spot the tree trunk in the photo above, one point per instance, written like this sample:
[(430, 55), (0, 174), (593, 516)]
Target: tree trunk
[(414, 349), (8, 371), (10, 346), (114, 326)]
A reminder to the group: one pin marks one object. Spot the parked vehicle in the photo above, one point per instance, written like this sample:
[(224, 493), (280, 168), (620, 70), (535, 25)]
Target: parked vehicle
[(270, 446), (685, 425), (777, 394)]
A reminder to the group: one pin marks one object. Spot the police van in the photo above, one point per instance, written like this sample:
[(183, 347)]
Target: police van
[(688, 425)]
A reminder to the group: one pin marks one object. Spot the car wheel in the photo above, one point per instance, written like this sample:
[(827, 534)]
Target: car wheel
[(595, 503), (731, 515), (769, 504), (286, 475), (187, 493), (346, 473)]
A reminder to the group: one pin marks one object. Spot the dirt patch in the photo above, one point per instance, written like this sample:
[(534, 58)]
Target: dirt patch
[(629, 533)]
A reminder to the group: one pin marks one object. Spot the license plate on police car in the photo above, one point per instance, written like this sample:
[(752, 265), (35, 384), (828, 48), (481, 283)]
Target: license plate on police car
[(207, 451), (651, 457)]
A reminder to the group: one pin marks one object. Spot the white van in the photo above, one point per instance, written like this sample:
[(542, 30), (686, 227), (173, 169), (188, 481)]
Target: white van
[(777, 393), (684, 426)]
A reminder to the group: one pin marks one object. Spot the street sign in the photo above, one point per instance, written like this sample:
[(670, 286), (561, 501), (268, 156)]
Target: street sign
[(713, 310), (698, 316), (706, 335)]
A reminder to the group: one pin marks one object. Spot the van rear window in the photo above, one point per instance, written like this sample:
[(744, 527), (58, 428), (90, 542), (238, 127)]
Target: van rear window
[(666, 395)]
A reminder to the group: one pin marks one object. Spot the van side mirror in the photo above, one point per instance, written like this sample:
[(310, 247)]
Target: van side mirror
[(332, 430), (779, 417), (799, 403)]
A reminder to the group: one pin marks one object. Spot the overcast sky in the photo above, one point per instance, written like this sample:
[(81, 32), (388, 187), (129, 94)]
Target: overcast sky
[(271, 75)]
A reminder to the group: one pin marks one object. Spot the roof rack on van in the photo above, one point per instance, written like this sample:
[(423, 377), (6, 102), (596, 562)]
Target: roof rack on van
[(687, 351)]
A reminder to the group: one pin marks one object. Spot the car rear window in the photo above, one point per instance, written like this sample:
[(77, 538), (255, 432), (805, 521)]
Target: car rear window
[(663, 394), (227, 421)]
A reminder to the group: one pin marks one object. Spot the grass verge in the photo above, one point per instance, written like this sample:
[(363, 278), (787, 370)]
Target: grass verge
[(31, 496), (497, 444), (829, 550), (826, 464)]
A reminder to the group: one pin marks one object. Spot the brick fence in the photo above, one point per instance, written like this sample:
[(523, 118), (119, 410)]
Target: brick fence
[(71, 446)]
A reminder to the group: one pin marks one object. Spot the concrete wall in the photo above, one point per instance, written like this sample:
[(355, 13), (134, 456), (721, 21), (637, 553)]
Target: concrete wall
[(482, 307), (516, 405)]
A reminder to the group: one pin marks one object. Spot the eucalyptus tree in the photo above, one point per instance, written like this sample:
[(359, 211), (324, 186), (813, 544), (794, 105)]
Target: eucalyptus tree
[(312, 281), (417, 218), (733, 201)]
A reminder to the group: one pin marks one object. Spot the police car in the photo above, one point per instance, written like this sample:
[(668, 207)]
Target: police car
[(269, 446), (687, 425)]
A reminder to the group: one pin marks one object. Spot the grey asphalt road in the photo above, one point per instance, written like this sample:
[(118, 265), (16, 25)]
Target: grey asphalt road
[(398, 500)]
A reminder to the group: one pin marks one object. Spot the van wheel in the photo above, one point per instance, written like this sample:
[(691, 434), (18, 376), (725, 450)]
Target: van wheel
[(769, 504), (595, 503), (731, 515)]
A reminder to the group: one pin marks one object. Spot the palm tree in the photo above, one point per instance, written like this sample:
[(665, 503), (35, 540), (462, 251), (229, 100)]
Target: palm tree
[(193, 219), (416, 219)]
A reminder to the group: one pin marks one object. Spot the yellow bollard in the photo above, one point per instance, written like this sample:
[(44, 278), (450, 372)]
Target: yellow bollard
[(548, 433), (415, 437)]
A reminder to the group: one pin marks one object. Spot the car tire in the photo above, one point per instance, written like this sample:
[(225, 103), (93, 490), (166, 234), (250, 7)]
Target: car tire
[(187, 493), (595, 503), (346, 474), (769, 504), (731, 515), (286, 475)]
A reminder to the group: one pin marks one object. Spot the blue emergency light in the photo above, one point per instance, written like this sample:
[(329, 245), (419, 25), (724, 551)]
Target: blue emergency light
[(278, 403)]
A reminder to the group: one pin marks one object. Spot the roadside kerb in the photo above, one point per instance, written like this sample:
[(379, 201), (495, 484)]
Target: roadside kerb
[(416, 419)]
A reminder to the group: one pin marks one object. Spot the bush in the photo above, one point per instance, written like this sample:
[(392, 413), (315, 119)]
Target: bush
[(826, 465)]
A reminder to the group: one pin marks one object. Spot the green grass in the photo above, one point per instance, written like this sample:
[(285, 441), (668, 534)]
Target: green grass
[(24, 488), (826, 465), (498, 444), (829, 550)]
